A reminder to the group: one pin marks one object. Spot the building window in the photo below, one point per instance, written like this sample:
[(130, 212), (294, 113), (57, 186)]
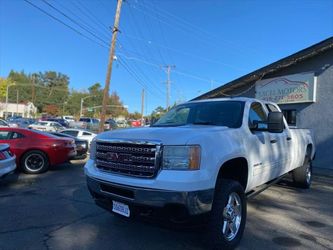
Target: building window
[(290, 115), (7, 114)]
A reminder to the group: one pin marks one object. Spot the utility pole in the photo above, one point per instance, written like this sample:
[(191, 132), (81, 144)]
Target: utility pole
[(17, 101), (7, 89), (81, 106), (142, 104), (33, 94), (168, 82), (109, 69)]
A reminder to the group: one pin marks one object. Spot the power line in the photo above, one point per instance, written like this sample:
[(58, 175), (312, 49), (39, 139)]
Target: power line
[(106, 35), (138, 30), (162, 33), (146, 77), (191, 28), (90, 15), (150, 28), (176, 71), (139, 79), (63, 23), (134, 75), (74, 21), (68, 26), (182, 52)]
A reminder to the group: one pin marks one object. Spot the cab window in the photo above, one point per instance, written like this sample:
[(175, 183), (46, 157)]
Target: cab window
[(15, 135), (257, 113)]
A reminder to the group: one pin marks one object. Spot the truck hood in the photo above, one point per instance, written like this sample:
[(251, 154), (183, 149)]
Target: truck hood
[(167, 135)]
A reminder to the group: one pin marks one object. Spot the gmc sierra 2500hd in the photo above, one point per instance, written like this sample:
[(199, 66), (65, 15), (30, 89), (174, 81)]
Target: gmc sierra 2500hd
[(202, 157)]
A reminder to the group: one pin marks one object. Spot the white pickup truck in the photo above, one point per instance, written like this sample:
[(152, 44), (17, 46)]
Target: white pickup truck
[(201, 158)]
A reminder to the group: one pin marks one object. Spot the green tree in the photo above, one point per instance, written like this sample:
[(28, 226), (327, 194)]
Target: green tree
[(40, 88)]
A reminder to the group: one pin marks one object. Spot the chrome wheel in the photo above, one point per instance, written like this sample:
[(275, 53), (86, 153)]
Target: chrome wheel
[(232, 217), (34, 162)]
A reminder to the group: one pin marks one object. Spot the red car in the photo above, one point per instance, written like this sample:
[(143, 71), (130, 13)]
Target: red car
[(35, 151)]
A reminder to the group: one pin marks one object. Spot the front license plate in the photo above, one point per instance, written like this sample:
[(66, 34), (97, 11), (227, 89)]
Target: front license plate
[(120, 208)]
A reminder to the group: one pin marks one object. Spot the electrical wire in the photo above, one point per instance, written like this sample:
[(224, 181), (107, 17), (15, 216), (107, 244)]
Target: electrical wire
[(183, 52), (106, 35), (74, 21), (159, 66), (150, 28), (191, 28), (134, 75), (138, 68), (63, 23), (80, 8)]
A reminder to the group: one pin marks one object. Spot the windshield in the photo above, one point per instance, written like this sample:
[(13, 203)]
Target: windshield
[(223, 113)]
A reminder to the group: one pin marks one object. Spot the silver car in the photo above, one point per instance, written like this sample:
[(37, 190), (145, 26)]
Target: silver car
[(7, 160)]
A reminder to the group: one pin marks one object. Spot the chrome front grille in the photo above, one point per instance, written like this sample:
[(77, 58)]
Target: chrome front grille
[(139, 159)]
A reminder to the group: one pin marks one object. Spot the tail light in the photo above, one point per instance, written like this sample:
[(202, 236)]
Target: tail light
[(2, 156), (5, 155)]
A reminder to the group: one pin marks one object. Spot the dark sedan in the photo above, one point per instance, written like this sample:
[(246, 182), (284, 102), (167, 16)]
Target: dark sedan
[(81, 145)]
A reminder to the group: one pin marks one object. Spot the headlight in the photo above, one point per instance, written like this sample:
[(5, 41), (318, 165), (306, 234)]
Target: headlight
[(181, 157), (93, 149)]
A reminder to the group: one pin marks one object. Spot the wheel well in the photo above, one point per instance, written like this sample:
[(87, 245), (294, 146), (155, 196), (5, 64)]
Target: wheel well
[(309, 150), (235, 169)]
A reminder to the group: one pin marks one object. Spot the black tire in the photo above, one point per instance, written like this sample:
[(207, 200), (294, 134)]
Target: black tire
[(223, 215), (34, 162), (302, 176)]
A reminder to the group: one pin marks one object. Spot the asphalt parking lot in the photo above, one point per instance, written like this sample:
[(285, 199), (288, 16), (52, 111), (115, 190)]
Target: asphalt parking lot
[(55, 211)]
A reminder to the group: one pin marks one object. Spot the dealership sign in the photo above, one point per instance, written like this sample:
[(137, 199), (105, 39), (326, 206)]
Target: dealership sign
[(288, 89)]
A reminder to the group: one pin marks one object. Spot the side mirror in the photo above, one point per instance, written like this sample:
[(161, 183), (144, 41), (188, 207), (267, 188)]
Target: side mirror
[(275, 122), (253, 125)]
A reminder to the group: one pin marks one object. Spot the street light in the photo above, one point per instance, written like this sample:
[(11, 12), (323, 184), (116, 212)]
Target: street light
[(82, 99), (7, 88)]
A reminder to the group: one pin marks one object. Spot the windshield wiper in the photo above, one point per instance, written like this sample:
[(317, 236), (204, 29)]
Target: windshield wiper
[(204, 123)]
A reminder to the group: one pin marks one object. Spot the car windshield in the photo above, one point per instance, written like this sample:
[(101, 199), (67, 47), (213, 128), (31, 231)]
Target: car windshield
[(215, 113)]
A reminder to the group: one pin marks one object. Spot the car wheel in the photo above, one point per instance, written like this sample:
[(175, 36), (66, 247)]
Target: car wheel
[(228, 215), (302, 176), (34, 162)]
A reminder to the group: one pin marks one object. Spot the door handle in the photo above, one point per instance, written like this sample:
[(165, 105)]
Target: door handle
[(288, 138), (274, 141)]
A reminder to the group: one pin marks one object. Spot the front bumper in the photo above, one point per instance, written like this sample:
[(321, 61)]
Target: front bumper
[(7, 166), (177, 206)]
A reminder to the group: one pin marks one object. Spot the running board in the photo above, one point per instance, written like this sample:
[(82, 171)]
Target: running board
[(263, 187)]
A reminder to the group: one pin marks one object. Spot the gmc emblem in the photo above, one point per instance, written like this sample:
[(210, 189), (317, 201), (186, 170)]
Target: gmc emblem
[(111, 156)]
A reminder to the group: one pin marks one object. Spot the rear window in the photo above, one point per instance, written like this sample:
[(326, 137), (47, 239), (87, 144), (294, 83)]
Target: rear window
[(42, 123), (70, 132), (43, 133)]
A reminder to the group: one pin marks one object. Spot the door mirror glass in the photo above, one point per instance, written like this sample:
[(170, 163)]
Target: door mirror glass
[(275, 122)]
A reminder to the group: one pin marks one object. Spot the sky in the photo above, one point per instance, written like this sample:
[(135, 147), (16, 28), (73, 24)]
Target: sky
[(207, 43)]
